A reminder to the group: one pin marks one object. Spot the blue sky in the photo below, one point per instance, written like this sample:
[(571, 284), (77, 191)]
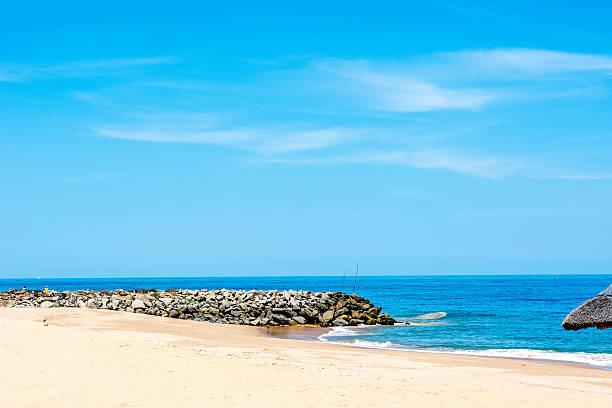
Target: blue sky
[(207, 139)]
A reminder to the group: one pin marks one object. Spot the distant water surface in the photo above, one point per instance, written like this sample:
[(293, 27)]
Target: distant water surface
[(511, 316)]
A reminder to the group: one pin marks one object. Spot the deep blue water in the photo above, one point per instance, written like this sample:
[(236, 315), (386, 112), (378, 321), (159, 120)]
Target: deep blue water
[(492, 315)]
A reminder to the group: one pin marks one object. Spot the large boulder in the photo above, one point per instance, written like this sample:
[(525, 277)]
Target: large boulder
[(138, 304)]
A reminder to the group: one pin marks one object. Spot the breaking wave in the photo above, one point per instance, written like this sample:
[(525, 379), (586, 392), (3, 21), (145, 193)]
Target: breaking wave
[(601, 360), (430, 316)]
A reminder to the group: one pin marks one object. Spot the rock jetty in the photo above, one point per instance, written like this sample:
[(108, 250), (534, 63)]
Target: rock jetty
[(253, 307)]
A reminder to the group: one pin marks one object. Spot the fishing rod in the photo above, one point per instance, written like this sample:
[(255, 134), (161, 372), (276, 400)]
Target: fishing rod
[(355, 282)]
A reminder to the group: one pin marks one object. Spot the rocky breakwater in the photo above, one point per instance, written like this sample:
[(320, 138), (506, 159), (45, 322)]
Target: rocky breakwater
[(254, 307)]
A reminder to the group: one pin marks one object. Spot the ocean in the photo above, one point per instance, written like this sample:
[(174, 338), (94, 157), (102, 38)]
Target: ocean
[(507, 316)]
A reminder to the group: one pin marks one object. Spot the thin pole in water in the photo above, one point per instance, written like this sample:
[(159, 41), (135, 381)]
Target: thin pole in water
[(344, 277), (355, 283)]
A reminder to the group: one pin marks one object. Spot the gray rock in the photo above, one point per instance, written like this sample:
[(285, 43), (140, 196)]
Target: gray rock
[(281, 319), (299, 320), (114, 303), (138, 304), (328, 315), (308, 311), (225, 305)]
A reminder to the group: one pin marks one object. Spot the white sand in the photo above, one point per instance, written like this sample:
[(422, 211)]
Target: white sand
[(96, 358)]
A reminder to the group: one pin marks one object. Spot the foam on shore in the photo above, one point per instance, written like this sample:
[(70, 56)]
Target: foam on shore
[(599, 360)]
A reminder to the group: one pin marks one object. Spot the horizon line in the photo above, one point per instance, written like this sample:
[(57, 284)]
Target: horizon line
[(305, 276)]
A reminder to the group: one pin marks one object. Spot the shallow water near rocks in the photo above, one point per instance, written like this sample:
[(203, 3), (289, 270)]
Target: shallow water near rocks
[(306, 332)]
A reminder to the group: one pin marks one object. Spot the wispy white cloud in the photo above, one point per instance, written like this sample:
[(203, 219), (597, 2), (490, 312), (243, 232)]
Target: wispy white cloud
[(200, 119), (382, 88), (184, 85), (534, 61), (487, 167), (390, 86), (347, 96), (308, 140), (154, 135), (260, 140), (10, 72), (96, 99), (584, 177), (462, 80), (405, 95)]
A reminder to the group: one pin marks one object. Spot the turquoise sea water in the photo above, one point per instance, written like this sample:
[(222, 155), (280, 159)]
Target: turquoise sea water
[(512, 316)]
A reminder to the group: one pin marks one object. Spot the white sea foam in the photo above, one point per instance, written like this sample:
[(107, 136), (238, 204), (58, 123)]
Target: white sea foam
[(430, 316), (346, 332), (603, 360), (427, 319), (420, 324), (596, 359), (372, 344)]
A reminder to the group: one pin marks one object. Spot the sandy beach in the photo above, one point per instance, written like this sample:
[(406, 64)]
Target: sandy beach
[(96, 358)]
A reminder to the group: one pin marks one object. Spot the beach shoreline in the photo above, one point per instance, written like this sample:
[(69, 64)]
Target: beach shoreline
[(106, 359), (319, 334)]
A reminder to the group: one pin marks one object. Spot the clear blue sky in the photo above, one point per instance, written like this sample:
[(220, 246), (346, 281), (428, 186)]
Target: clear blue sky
[(205, 138)]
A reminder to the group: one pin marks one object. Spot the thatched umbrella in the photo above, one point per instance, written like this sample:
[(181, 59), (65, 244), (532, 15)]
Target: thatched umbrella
[(595, 312)]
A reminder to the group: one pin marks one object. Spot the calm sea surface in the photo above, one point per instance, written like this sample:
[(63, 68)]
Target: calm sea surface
[(513, 316)]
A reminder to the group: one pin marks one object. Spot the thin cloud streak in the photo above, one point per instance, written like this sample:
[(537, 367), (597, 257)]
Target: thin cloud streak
[(10, 72), (490, 168), (533, 61), (149, 135), (310, 140), (584, 177), (258, 140)]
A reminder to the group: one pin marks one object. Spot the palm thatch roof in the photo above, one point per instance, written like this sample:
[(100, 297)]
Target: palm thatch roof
[(595, 312)]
